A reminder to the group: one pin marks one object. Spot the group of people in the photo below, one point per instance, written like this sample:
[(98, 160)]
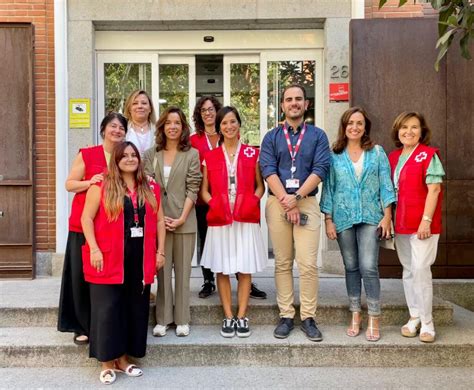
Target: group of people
[(143, 195)]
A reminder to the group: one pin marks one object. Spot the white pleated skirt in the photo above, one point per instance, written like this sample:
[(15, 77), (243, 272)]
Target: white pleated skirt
[(234, 248)]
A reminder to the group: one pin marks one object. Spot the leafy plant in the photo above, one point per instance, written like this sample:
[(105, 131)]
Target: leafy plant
[(455, 19)]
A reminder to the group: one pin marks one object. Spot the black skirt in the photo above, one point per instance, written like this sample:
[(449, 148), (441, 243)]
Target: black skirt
[(119, 312), (74, 300)]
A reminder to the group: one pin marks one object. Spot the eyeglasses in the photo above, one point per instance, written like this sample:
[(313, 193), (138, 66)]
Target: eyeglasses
[(209, 110)]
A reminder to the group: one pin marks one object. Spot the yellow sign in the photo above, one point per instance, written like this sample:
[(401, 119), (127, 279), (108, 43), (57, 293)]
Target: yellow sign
[(79, 113)]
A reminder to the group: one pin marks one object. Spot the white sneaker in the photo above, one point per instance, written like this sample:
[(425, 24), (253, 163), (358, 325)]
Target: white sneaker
[(182, 330), (160, 330)]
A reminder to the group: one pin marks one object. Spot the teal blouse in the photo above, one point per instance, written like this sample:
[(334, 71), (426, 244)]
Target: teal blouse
[(350, 201)]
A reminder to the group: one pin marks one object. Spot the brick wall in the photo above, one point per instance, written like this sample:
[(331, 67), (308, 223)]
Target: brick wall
[(412, 9), (41, 14)]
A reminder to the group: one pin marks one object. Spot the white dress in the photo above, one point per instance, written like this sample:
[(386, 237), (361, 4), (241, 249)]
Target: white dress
[(234, 248)]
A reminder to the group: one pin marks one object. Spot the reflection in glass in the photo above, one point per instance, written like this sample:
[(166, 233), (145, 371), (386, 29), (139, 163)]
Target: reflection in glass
[(121, 79), (282, 73), (174, 87), (245, 96)]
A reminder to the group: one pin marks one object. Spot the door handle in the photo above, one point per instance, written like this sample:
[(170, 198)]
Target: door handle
[(1, 214)]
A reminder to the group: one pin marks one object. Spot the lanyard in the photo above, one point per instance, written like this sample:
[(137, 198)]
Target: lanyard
[(231, 167), (209, 142), (293, 150), (133, 197)]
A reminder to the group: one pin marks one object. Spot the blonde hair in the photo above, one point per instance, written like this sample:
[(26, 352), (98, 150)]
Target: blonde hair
[(115, 189), (127, 111)]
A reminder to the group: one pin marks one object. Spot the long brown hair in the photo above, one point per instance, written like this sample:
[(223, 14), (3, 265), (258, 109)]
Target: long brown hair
[(115, 188), (197, 116), (160, 139), (341, 142), (402, 118)]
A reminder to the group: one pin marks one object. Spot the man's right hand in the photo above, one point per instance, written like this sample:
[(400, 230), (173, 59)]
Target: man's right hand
[(293, 216), (288, 202)]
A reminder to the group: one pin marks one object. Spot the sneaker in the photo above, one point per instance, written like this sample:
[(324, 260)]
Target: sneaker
[(284, 327), (242, 327), (160, 330), (207, 289), (228, 328), (256, 293), (309, 327), (182, 330)]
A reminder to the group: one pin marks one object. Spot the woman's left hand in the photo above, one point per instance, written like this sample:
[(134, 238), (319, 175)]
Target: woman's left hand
[(424, 230), (386, 225), (172, 224), (160, 261)]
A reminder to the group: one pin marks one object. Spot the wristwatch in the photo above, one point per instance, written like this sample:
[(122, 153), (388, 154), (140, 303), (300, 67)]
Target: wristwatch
[(426, 218), (297, 196)]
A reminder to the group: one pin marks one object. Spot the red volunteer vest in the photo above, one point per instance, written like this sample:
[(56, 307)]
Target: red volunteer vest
[(412, 191), (247, 205), (109, 237), (94, 161)]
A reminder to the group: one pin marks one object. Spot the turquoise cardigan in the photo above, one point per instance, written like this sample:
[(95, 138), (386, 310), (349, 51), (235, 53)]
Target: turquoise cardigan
[(350, 201)]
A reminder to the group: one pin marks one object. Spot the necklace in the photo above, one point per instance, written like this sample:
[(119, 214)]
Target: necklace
[(136, 126), (213, 133)]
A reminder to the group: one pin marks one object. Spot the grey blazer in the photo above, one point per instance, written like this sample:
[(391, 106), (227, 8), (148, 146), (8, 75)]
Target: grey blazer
[(184, 182)]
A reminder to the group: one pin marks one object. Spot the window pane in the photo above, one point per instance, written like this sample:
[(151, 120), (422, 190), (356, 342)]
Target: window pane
[(245, 96), (174, 87), (281, 73), (121, 79)]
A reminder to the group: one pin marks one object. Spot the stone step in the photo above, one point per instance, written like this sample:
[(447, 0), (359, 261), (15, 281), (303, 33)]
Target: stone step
[(218, 377), (34, 303), (45, 347)]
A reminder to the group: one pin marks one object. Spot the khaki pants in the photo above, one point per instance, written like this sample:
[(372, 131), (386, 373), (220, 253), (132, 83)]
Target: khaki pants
[(300, 243), (179, 249)]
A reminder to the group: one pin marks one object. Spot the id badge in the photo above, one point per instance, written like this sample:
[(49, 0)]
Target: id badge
[(136, 232), (292, 183)]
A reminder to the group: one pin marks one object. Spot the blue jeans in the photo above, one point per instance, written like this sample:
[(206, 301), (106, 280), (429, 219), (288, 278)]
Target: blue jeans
[(360, 251)]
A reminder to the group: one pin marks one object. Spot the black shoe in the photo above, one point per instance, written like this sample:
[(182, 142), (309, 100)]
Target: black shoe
[(309, 327), (81, 341), (207, 289), (242, 328), (256, 293), (228, 328), (284, 327)]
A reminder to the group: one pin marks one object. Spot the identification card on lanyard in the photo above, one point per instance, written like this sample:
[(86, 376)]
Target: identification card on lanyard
[(231, 171), (135, 231), (293, 182)]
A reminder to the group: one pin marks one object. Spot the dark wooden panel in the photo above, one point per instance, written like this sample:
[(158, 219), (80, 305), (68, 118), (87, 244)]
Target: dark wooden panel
[(461, 254), (16, 150), (15, 83), (392, 71), (460, 104), (438, 272), (459, 202)]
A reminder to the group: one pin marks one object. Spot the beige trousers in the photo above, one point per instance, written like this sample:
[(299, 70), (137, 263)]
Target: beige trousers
[(300, 243), (179, 249)]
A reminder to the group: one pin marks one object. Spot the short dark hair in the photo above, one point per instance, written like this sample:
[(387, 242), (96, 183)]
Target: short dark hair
[(109, 118), (220, 117), (402, 118), (289, 86), (197, 117), (160, 138), (341, 142)]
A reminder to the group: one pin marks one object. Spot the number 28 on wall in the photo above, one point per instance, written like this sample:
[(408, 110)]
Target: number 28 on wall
[(339, 72)]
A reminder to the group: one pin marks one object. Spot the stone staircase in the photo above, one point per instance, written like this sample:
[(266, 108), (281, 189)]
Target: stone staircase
[(28, 336)]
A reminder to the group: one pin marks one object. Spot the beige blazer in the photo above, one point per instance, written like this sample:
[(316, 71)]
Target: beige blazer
[(184, 182)]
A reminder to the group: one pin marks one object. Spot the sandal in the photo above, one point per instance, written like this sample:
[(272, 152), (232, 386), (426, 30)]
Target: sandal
[(78, 341), (411, 328), (373, 330), (427, 332), (107, 376), (354, 327), (130, 370)]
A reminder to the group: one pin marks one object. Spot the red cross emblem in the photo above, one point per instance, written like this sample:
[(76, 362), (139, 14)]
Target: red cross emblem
[(249, 152)]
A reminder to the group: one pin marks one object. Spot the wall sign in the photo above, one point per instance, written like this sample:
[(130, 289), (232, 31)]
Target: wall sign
[(338, 92), (79, 113)]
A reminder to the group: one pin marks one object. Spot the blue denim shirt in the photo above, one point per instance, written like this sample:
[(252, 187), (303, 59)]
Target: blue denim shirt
[(313, 156), (351, 201)]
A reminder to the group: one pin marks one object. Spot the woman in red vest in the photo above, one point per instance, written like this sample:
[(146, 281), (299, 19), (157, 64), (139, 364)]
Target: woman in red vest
[(122, 222), (232, 187), (87, 169), (417, 175)]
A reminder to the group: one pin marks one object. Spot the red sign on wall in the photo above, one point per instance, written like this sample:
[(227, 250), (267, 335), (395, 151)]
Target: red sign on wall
[(338, 92)]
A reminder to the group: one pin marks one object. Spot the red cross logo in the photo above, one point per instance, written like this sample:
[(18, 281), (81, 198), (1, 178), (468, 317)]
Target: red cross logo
[(421, 156), (249, 152)]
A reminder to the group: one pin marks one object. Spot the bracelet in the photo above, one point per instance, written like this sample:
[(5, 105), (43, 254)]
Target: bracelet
[(95, 250), (161, 254), (426, 218)]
